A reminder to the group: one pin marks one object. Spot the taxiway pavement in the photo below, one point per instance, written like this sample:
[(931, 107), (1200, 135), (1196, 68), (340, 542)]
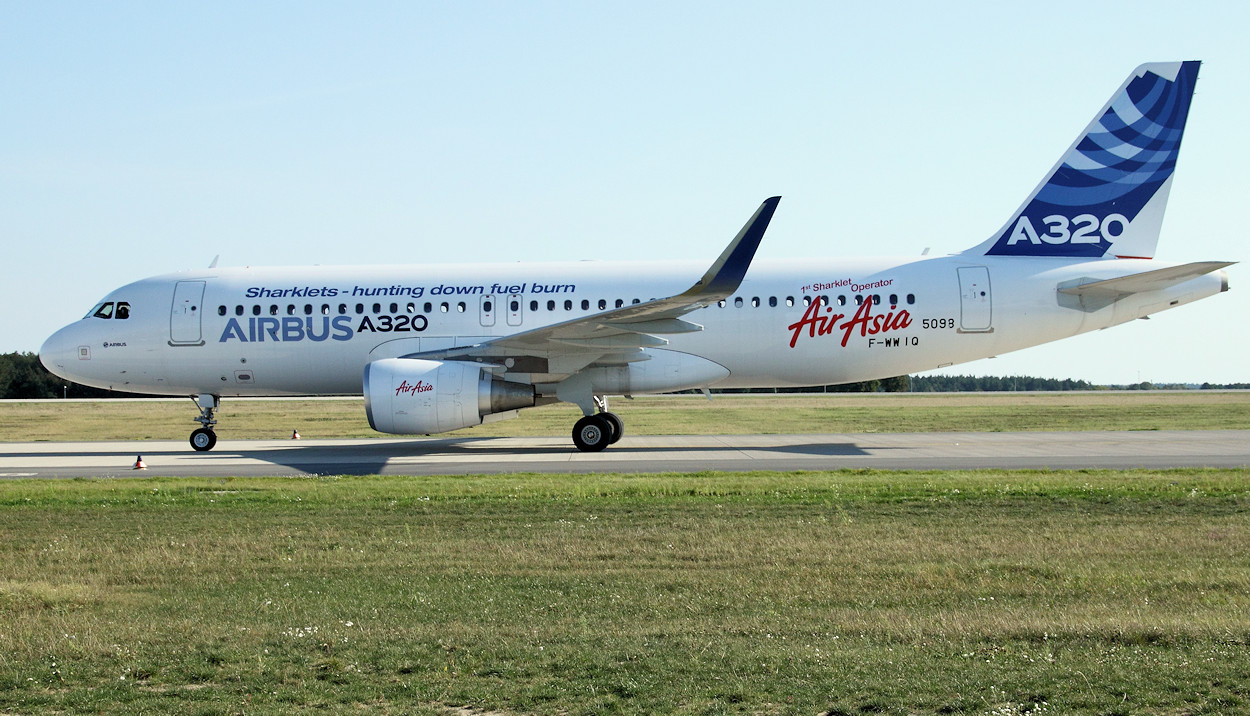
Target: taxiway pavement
[(441, 456)]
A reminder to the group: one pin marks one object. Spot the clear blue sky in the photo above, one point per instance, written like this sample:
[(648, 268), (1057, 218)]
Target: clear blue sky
[(143, 138)]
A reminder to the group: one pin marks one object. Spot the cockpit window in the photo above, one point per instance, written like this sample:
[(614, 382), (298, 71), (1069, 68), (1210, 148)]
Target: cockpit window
[(109, 309)]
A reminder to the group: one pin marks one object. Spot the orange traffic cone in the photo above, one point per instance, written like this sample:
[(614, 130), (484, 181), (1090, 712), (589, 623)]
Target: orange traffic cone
[(295, 435), (139, 464)]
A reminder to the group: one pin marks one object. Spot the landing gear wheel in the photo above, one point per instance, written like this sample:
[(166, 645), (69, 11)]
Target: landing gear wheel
[(592, 433), (618, 426), (203, 440)]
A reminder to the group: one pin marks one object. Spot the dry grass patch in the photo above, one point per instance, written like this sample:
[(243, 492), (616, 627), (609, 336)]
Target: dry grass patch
[(660, 415)]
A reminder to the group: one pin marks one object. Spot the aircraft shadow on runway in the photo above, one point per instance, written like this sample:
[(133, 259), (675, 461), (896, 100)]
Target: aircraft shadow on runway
[(492, 455), (446, 456)]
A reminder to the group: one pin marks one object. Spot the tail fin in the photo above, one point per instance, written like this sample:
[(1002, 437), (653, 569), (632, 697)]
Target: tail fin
[(1106, 195)]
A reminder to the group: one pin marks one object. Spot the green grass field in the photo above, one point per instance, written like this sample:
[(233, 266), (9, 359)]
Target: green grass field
[(844, 592), (660, 415)]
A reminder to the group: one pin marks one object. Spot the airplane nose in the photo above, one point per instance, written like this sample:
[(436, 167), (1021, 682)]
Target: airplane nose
[(59, 352)]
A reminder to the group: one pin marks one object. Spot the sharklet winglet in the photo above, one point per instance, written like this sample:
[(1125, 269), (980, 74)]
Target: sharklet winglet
[(726, 273)]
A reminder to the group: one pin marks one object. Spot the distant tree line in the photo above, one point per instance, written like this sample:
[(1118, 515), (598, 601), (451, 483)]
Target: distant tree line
[(1147, 385), (992, 384), (898, 384)]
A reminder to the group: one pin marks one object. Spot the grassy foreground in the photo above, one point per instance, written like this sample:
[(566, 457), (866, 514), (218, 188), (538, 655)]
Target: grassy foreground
[(847, 592), (660, 415)]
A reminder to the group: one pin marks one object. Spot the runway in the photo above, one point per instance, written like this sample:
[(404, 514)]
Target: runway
[(442, 456)]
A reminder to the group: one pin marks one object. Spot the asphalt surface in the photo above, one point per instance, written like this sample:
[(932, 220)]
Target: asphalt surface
[(442, 456)]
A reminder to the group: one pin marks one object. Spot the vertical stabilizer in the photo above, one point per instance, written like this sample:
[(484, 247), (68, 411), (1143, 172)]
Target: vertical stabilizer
[(1107, 194)]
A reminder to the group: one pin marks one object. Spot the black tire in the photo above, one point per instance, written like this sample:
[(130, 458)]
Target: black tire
[(203, 440), (618, 427), (592, 433)]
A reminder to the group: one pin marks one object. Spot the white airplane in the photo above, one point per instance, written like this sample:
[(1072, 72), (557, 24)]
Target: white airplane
[(438, 348)]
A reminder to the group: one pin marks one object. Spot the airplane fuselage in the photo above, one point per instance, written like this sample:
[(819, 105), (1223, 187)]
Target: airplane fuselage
[(312, 330)]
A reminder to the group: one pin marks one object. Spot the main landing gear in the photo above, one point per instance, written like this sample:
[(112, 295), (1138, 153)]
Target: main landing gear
[(595, 432), (203, 439)]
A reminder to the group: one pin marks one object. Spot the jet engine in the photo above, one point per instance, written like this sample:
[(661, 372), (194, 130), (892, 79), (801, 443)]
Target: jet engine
[(408, 396)]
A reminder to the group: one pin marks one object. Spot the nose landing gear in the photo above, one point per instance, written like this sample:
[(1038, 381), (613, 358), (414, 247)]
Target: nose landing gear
[(204, 438)]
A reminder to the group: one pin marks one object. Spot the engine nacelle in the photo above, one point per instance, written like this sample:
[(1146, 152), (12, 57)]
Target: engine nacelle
[(408, 396)]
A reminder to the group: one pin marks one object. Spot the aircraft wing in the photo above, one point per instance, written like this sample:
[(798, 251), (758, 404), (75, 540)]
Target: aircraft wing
[(618, 336)]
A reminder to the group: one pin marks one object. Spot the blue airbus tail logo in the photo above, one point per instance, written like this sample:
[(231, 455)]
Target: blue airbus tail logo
[(1103, 183)]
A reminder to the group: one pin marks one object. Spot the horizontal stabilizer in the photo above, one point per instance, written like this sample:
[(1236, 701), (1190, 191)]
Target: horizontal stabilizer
[(1146, 281)]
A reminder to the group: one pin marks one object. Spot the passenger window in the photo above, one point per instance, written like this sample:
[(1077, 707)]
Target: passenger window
[(807, 300), (533, 306), (290, 309), (412, 308), (738, 302), (585, 305), (620, 302), (444, 307), (307, 309), (568, 305), (342, 309), (551, 305), (859, 299), (755, 302), (841, 300), (789, 300), (488, 306), (460, 307), (772, 301), (514, 306), (876, 299), (273, 310), (893, 299), (256, 310), (911, 298), (238, 310), (429, 308), (720, 303), (824, 301), (360, 308), (394, 308), (221, 310), (637, 300)]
